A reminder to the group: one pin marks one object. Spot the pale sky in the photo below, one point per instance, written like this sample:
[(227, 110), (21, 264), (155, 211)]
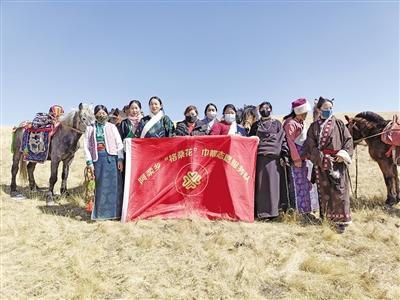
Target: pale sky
[(100, 52)]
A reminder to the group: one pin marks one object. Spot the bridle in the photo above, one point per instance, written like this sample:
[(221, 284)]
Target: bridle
[(75, 123), (74, 129), (352, 125)]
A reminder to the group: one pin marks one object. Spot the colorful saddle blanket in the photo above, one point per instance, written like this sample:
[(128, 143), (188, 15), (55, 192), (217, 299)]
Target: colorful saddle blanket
[(36, 143), (42, 120), (37, 136), (391, 133)]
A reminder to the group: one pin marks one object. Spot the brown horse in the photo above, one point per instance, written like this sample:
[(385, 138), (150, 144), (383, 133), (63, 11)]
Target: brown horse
[(116, 115), (368, 126)]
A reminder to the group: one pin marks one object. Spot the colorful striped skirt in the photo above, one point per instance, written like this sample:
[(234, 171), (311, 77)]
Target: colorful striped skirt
[(306, 193)]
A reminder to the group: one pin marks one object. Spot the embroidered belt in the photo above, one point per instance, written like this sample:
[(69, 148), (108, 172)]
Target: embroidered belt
[(101, 147), (329, 152)]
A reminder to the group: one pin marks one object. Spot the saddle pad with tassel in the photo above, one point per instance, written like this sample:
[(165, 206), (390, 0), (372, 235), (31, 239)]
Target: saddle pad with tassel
[(35, 144)]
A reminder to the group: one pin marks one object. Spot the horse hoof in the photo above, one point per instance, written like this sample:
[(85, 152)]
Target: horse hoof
[(65, 193), (340, 229), (391, 202), (50, 203), (17, 196), (49, 198)]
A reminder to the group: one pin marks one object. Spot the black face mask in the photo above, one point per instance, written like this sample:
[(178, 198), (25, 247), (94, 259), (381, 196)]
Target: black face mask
[(265, 113), (190, 119)]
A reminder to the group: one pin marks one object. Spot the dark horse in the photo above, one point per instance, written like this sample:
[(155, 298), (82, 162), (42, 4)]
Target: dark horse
[(63, 146), (368, 126), (116, 115)]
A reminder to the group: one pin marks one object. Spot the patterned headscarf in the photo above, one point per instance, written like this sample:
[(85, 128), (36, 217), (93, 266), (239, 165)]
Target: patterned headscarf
[(135, 120), (56, 111)]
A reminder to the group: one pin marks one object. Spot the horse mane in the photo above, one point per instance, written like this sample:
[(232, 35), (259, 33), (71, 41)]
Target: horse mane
[(68, 118), (371, 120)]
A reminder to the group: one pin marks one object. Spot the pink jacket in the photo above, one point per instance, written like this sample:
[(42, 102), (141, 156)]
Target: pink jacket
[(293, 129), (112, 139)]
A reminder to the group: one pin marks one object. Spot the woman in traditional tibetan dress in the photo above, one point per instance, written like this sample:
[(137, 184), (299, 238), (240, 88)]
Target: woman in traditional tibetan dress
[(305, 193), (104, 153), (270, 190), (330, 147), (127, 127), (156, 124)]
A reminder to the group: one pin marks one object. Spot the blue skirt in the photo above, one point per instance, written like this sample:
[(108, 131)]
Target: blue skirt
[(108, 197)]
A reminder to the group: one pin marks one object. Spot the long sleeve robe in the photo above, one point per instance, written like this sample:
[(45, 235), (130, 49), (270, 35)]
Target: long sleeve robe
[(332, 177)]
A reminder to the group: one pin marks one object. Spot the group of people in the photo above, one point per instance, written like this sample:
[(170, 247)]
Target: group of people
[(296, 166)]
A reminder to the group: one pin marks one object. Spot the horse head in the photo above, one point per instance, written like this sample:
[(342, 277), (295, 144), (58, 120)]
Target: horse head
[(79, 118), (85, 115), (116, 116), (247, 115), (354, 125), (315, 111), (365, 124)]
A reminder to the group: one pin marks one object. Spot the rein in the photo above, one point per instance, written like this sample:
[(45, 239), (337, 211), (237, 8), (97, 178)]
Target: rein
[(74, 123), (374, 135), (72, 128), (356, 190), (360, 140)]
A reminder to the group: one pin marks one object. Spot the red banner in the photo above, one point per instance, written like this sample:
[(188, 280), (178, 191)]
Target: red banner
[(210, 176)]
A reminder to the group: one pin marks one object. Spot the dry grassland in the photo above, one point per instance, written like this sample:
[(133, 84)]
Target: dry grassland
[(57, 252)]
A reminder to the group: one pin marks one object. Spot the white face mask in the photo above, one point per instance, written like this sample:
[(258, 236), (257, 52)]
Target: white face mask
[(230, 118), (211, 114)]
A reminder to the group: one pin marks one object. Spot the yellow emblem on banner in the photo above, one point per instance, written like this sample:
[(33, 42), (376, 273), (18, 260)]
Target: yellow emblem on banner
[(191, 180)]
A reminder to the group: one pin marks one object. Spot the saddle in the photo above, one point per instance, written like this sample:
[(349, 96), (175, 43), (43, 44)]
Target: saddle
[(36, 125), (391, 136), (37, 137)]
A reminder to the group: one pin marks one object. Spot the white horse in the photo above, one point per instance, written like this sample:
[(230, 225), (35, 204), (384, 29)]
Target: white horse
[(63, 146)]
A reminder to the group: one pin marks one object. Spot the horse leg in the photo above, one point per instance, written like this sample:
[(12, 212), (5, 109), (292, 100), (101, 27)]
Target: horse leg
[(14, 172), (390, 180), (32, 184), (64, 176), (18, 164), (397, 182), (52, 182)]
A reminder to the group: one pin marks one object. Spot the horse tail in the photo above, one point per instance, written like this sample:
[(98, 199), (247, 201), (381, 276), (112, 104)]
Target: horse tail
[(13, 141), (23, 170)]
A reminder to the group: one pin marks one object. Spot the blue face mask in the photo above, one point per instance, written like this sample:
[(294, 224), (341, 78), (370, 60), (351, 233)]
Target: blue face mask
[(230, 118), (325, 114)]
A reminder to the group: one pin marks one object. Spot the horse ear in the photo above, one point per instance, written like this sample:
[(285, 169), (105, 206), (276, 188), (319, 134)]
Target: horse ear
[(347, 118), (80, 106)]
